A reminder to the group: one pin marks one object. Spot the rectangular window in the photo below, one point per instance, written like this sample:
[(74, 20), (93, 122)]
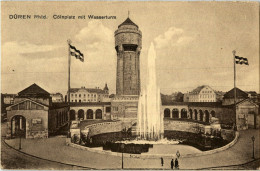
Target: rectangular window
[(75, 100), (33, 106), (84, 95), (75, 95), (22, 106), (27, 105), (79, 95), (108, 109), (71, 95)]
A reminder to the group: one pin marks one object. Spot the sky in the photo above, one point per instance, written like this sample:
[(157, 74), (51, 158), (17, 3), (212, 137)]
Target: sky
[(193, 43)]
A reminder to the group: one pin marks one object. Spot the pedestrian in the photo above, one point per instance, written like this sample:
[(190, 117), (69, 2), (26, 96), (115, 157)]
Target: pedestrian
[(172, 164), (178, 154), (162, 161), (176, 164)]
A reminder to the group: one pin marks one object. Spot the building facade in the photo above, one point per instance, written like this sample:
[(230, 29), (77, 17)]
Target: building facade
[(83, 95), (33, 115), (202, 93), (124, 107), (247, 114)]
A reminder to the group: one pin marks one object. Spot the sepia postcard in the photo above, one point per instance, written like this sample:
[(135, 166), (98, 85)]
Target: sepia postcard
[(134, 85)]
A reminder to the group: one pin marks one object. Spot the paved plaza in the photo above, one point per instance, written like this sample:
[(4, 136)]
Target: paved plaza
[(55, 149)]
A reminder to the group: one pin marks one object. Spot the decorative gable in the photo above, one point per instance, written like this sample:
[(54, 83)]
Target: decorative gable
[(27, 105), (247, 102)]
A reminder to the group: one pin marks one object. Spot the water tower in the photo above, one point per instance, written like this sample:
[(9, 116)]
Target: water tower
[(128, 45)]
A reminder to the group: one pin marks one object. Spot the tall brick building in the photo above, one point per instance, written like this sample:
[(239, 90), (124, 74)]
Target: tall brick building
[(128, 45)]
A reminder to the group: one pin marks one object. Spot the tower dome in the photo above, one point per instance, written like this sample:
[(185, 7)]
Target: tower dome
[(128, 21)]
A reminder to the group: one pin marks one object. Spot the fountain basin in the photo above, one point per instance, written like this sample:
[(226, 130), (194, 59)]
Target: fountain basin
[(173, 140)]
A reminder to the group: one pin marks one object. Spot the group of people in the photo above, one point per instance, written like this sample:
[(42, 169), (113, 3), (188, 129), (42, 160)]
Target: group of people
[(174, 163)]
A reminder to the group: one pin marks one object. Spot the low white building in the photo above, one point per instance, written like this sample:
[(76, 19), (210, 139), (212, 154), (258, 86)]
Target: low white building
[(57, 97), (83, 95), (202, 93)]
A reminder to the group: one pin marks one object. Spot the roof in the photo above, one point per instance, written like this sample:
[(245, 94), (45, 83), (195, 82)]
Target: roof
[(58, 94), (169, 103), (193, 104), (33, 90), (239, 94), (252, 93), (198, 89), (205, 104), (242, 101), (128, 21), (89, 103), (57, 105), (90, 90)]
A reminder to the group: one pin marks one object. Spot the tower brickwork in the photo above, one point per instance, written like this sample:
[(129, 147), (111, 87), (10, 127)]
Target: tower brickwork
[(128, 45)]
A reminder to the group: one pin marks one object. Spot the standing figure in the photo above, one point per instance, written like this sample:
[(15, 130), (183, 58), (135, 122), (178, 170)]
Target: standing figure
[(178, 154), (172, 164), (176, 164), (161, 161)]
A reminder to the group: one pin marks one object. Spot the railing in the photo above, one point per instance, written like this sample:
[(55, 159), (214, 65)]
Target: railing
[(188, 120)]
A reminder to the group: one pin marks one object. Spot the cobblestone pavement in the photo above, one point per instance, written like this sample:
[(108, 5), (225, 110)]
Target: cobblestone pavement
[(55, 149)]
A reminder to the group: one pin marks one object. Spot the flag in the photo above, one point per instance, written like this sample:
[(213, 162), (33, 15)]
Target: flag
[(75, 52), (241, 60)]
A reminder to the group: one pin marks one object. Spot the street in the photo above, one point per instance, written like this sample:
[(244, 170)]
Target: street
[(12, 159)]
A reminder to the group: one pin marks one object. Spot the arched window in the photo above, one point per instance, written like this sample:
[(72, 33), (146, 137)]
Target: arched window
[(72, 115), (213, 113), (98, 114), (81, 114), (167, 113), (191, 113), (90, 114), (196, 114), (175, 113), (201, 115), (184, 113), (206, 116)]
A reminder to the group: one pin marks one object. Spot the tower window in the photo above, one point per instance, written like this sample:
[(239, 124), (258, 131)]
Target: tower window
[(130, 47)]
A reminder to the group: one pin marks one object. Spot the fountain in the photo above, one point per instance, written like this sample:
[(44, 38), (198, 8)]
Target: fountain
[(150, 120), (149, 136)]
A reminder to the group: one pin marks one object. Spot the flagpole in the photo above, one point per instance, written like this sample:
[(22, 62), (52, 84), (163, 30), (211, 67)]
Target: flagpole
[(69, 58), (235, 91)]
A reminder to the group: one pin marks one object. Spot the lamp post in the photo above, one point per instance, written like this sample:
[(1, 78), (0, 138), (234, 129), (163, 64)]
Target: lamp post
[(20, 133), (122, 147), (253, 139)]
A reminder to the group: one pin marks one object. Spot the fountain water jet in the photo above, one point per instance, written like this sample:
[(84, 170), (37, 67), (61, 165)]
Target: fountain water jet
[(150, 120)]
